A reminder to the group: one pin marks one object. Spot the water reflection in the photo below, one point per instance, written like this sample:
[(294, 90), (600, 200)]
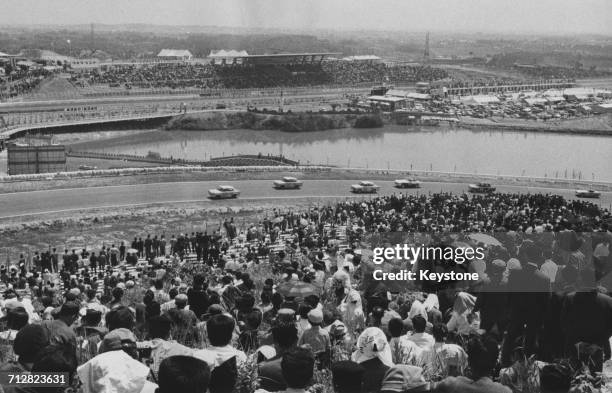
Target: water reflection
[(395, 147)]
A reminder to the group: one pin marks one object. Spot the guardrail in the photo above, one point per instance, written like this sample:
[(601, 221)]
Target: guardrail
[(235, 160), (158, 170), (304, 168), (480, 176)]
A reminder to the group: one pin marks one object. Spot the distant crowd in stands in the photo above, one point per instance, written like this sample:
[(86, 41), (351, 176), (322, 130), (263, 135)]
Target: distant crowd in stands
[(197, 75), (498, 81), (347, 73), (20, 82), (552, 72)]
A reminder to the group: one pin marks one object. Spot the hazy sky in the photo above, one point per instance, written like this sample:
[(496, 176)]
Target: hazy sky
[(549, 16)]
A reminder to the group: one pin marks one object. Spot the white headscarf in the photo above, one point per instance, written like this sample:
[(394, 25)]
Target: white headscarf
[(464, 302), (431, 302), (113, 372), (373, 343), (352, 311)]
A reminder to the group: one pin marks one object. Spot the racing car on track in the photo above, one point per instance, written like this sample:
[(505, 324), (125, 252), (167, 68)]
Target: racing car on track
[(288, 183), (223, 192), (481, 188), (364, 187), (407, 183), (587, 194)]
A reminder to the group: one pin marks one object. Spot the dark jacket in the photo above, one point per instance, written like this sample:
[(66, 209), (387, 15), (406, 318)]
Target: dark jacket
[(587, 316), (375, 371)]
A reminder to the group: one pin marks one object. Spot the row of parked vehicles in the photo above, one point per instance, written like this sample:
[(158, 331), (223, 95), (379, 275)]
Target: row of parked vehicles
[(367, 187)]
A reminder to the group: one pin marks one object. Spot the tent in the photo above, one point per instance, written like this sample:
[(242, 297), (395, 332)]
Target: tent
[(181, 54)]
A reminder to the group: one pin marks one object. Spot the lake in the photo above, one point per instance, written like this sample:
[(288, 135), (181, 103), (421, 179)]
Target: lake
[(394, 147)]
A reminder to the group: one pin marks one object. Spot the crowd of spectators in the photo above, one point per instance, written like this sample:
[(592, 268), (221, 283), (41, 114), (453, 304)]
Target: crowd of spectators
[(347, 73), (20, 82), (285, 304), (262, 76), (500, 81), (552, 72), (238, 76), (158, 75)]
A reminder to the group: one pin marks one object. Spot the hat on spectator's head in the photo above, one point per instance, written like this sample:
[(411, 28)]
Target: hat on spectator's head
[(315, 316), (129, 284), (285, 315), (12, 303), (266, 352), (404, 378), (213, 309), (180, 299), (115, 340), (29, 341), (530, 251), (513, 264), (337, 329), (498, 264), (75, 291)]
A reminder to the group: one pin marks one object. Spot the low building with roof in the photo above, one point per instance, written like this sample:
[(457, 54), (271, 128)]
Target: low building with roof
[(363, 58), (227, 56), (387, 103), (175, 54)]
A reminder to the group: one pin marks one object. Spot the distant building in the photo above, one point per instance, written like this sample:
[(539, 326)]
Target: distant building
[(84, 63), (175, 54), (24, 159), (409, 95), (387, 103), (363, 58), (44, 56), (223, 56)]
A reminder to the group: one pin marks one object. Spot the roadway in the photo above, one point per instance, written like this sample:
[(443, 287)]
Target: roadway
[(22, 204)]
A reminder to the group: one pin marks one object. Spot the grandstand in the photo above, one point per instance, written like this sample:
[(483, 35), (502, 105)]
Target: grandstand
[(286, 58)]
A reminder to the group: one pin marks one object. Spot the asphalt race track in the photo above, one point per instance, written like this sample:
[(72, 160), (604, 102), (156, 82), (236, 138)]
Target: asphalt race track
[(19, 204)]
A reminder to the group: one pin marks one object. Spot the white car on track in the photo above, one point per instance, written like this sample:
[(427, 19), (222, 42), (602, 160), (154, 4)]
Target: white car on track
[(587, 194), (223, 192), (481, 188), (364, 187), (407, 183), (288, 183)]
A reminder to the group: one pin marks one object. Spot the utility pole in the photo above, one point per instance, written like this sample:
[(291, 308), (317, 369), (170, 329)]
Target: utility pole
[(92, 42), (426, 52)]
